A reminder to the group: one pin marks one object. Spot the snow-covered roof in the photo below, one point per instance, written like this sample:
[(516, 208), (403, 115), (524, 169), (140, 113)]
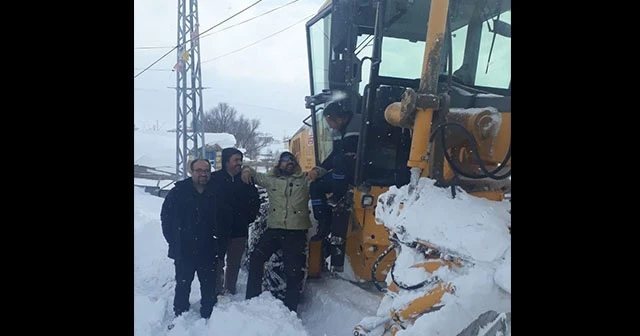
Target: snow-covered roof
[(223, 140), (157, 149)]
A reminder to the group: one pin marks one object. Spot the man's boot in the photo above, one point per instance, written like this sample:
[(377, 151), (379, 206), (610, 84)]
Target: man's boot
[(322, 213), (339, 228)]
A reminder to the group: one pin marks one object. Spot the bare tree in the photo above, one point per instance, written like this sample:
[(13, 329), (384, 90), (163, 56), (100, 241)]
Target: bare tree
[(256, 141), (224, 119), (220, 119)]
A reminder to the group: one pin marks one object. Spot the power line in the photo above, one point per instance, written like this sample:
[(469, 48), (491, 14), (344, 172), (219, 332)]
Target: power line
[(255, 17), (174, 48), (258, 41), (150, 48), (153, 69), (223, 29)]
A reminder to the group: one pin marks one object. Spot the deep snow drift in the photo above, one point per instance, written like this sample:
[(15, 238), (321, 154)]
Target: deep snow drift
[(476, 229), (473, 229), (329, 306)]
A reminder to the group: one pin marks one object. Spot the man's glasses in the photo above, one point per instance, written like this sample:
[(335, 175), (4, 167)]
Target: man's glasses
[(287, 159), (201, 171)]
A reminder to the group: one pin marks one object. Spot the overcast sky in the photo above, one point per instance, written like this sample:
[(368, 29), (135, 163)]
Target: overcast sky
[(267, 81)]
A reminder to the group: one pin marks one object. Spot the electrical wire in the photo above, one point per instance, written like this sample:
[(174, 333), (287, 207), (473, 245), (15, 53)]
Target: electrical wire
[(223, 29), (152, 69), (249, 19), (258, 41), (176, 47)]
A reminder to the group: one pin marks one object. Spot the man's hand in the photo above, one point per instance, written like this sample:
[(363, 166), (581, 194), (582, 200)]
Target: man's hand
[(312, 174), (246, 176)]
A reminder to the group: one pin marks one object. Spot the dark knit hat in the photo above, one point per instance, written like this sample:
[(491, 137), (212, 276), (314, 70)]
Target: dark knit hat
[(289, 155), (336, 109), (227, 153)]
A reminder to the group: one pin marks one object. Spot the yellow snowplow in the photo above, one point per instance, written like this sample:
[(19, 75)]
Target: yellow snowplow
[(430, 84)]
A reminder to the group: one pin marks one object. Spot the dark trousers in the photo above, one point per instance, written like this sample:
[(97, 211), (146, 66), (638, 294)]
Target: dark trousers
[(227, 278), (321, 210), (185, 271), (336, 182), (293, 244)]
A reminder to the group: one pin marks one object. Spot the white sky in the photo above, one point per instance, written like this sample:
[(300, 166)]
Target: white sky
[(267, 81)]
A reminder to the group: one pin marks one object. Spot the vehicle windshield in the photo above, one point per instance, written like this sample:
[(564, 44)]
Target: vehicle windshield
[(480, 47), (488, 66)]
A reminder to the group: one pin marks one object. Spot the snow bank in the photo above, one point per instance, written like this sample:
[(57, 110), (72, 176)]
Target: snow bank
[(223, 140), (260, 316), (332, 307), (503, 273), (142, 182), (476, 293), (472, 228), (154, 290), (157, 149), (153, 271)]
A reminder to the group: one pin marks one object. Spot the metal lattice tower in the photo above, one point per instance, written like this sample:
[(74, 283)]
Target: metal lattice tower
[(189, 128)]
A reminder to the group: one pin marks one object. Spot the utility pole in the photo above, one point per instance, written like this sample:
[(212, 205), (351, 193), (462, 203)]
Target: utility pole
[(189, 121)]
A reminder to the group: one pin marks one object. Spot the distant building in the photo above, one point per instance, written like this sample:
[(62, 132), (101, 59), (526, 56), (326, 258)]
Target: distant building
[(213, 153), (215, 142), (301, 145)]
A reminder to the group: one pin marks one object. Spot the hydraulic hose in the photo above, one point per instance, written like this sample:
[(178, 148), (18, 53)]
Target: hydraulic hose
[(474, 147), (411, 287), (384, 253)]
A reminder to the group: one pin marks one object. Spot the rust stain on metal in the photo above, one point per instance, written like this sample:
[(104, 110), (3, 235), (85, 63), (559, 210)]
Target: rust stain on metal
[(429, 83)]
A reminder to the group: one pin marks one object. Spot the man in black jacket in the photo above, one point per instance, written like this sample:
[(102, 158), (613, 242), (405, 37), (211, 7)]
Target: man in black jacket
[(189, 219), (340, 164), (242, 204), (340, 170)]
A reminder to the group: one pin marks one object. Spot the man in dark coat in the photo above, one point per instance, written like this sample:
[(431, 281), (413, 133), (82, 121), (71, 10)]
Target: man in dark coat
[(334, 175), (189, 226), (242, 204), (337, 171)]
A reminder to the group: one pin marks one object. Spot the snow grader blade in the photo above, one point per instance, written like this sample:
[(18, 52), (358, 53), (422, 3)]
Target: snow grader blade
[(373, 326), (489, 323)]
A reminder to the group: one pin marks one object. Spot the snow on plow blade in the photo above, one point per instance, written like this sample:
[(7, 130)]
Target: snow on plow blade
[(489, 323)]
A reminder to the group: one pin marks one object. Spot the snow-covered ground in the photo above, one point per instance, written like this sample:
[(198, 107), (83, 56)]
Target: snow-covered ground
[(473, 229), (334, 306), (142, 182), (329, 306)]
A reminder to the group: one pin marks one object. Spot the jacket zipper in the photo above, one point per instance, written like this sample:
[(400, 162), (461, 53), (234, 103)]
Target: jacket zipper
[(286, 208)]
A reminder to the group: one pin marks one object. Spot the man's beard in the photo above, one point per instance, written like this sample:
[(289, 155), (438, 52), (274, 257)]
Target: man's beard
[(288, 170)]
